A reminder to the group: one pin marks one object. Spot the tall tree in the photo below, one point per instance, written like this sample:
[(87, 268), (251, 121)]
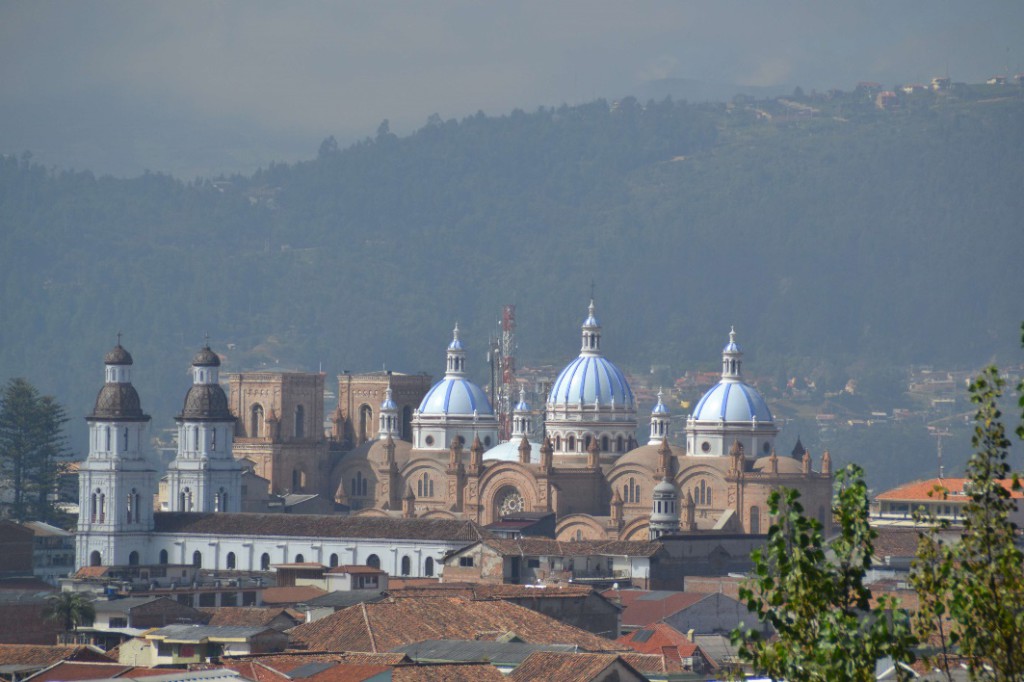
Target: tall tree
[(813, 595), (32, 449), (70, 608)]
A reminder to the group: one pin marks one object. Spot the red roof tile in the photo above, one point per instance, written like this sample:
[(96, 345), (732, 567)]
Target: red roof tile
[(393, 622), (30, 654), (446, 672), (923, 491), (641, 607), (291, 595), (79, 670), (566, 667)]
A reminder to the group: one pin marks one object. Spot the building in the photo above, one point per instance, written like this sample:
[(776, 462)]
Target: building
[(941, 499)]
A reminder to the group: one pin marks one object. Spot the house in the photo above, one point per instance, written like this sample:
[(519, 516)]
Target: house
[(887, 99), (252, 616), (396, 621), (578, 605), (356, 579), (585, 667), (53, 551), (941, 498), (685, 611), (179, 645), (16, 547), (117, 620), (680, 652), (23, 603), (18, 661), (533, 560), (184, 583)]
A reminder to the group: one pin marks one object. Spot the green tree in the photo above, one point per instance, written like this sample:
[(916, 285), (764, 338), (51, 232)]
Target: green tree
[(32, 449), (813, 595), (70, 608)]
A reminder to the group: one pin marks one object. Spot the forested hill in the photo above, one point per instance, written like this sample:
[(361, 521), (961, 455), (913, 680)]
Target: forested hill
[(838, 235)]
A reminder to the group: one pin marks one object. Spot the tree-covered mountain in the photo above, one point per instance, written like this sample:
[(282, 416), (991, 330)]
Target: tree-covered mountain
[(839, 236)]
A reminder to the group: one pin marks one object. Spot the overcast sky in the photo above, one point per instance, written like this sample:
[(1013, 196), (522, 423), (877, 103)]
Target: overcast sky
[(311, 69)]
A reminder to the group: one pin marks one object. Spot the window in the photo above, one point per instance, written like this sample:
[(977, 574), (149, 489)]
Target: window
[(406, 566), (197, 559), (163, 556), (126, 439), (265, 562), (425, 486), (619, 444), (428, 567), (95, 559), (107, 448), (365, 420), (133, 559), (572, 444), (755, 520), (118, 622), (373, 561), (213, 440), (465, 561), (334, 560), (230, 560), (255, 420), (604, 443), (533, 563)]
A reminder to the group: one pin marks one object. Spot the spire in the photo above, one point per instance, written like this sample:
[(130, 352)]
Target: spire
[(660, 419), (773, 463), (476, 455), (591, 333), (806, 463), (826, 464), (455, 454), (732, 358), (546, 450), (521, 416), (389, 424), (456, 355), (593, 454), (617, 507), (798, 449), (409, 504), (389, 452), (664, 460)]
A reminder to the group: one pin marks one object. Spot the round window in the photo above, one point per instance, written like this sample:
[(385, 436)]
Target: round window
[(429, 440), (705, 447)]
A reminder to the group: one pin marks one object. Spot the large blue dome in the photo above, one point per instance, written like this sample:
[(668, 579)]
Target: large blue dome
[(589, 379), (732, 401), (456, 395)]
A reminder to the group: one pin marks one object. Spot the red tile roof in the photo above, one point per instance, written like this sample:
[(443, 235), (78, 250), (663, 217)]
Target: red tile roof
[(446, 672), (641, 607), (251, 616), (664, 640), (394, 622), (531, 546), (566, 667), (923, 491), (79, 670), (291, 595), (30, 654)]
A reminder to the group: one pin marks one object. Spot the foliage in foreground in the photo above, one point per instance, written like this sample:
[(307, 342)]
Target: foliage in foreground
[(813, 595)]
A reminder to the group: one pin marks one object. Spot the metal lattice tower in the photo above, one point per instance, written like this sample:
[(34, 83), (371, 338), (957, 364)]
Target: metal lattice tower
[(507, 366)]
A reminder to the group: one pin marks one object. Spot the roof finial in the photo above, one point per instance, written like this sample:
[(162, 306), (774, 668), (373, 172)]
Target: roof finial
[(732, 334), (119, 338), (206, 340)]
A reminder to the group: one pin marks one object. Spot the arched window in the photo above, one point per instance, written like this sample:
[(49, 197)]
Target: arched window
[(185, 500), (586, 442), (133, 559), (95, 559), (425, 486), (299, 559), (365, 422), (571, 447), (265, 562), (406, 565), (428, 567), (619, 444), (103, 506), (107, 441), (755, 520), (558, 443), (197, 559), (373, 561), (579, 534), (300, 422), (604, 443), (195, 438), (163, 556), (125, 439), (213, 439), (334, 560), (255, 421), (129, 508), (298, 480)]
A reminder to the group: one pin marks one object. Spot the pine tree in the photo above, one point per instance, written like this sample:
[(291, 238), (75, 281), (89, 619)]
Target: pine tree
[(32, 447)]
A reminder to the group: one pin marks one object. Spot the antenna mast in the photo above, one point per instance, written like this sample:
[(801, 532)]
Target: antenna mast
[(507, 366)]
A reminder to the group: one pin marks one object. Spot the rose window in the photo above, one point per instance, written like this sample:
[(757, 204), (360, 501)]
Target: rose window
[(511, 502)]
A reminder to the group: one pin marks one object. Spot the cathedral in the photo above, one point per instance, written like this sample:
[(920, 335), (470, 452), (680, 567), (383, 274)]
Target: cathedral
[(437, 459), (588, 470)]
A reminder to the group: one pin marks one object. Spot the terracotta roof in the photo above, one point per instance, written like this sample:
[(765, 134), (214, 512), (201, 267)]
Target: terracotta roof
[(356, 569), (918, 491), (642, 607), (301, 564), (92, 571), (552, 665), (895, 542), (446, 672), (291, 595), (478, 591), (530, 546), (664, 640), (245, 615), (646, 663), (289, 660), (310, 525), (79, 670), (393, 622), (31, 654)]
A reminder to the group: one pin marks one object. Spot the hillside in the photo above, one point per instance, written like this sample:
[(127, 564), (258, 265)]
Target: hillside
[(849, 239)]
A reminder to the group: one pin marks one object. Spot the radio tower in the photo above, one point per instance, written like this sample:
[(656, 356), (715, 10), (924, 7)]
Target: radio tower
[(507, 364)]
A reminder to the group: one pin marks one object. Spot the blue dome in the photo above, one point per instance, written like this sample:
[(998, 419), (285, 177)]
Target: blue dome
[(660, 408), (456, 395), (732, 401), (389, 403), (589, 378)]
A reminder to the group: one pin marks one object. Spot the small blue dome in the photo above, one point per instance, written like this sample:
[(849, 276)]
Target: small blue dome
[(660, 407), (389, 403), (591, 378), (732, 401), (522, 406), (456, 395)]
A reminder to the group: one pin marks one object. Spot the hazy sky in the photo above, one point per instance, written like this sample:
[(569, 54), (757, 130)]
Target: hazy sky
[(310, 69)]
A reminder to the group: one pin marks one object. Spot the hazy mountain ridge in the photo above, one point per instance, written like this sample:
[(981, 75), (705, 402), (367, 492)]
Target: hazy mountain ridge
[(877, 240)]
